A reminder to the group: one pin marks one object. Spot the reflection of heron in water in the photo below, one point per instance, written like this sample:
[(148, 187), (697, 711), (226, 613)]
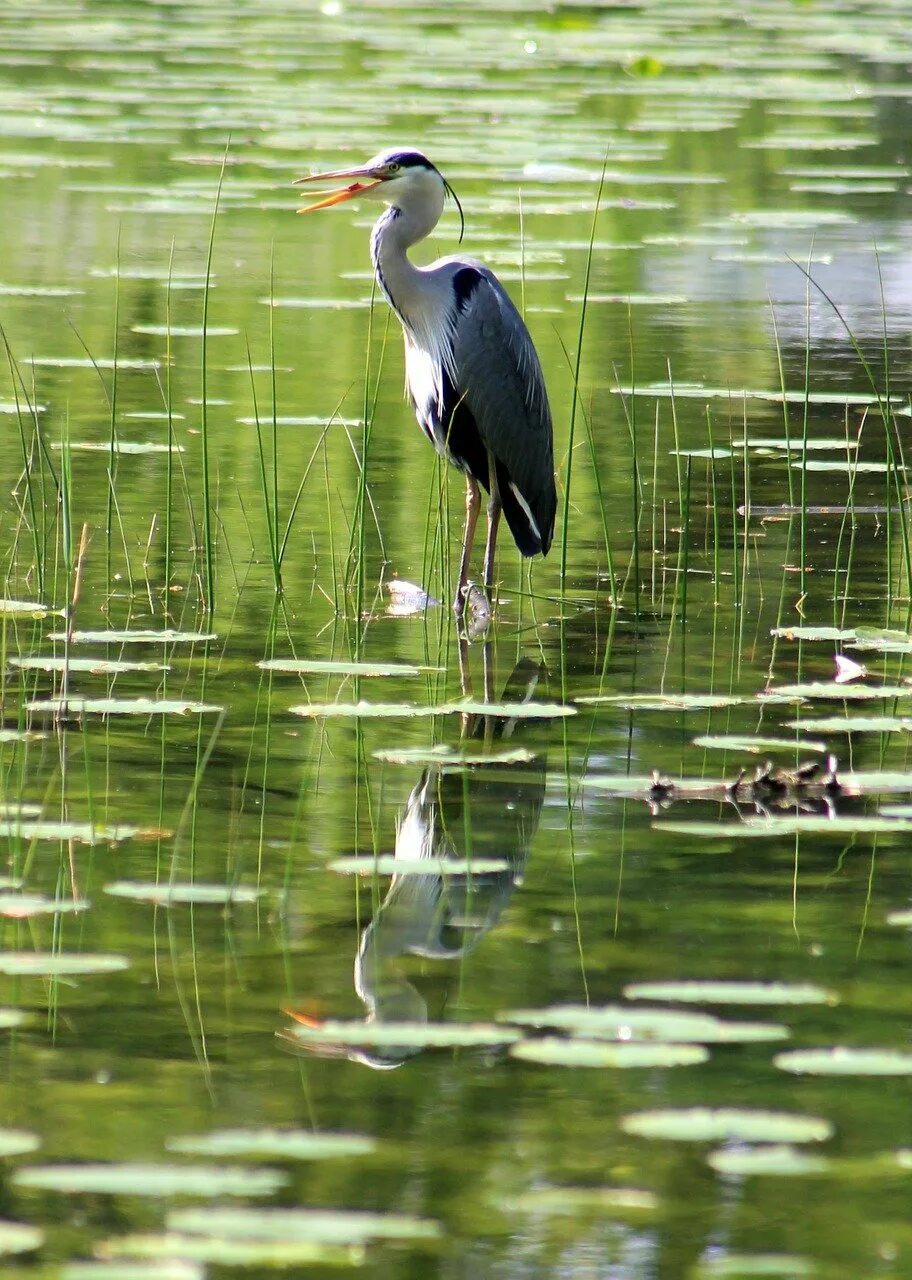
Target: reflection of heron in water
[(488, 810)]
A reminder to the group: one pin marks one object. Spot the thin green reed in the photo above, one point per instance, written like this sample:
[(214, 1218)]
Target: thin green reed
[(786, 421), (268, 504), (112, 433), (574, 395), (208, 545), (169, 410), (714, 497), (28, 455)]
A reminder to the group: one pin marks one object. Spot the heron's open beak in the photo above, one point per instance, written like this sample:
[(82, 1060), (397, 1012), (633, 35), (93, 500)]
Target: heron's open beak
[(365, 179)]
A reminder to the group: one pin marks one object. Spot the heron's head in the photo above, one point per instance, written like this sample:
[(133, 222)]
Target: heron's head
[(400, 177)]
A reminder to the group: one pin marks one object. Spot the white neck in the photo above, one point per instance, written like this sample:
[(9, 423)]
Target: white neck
[(394, 233)]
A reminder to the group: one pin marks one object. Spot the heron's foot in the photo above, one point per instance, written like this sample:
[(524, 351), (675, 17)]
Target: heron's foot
[(473, 609)]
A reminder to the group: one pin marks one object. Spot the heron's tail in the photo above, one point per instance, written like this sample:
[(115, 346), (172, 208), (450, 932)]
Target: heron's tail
[(530, 517)]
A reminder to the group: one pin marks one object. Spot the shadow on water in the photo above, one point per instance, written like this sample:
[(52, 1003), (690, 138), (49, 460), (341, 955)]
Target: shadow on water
[(476, 812)]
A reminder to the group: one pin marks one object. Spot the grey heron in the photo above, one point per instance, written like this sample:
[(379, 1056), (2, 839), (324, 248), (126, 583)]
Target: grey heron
[(472, 372)]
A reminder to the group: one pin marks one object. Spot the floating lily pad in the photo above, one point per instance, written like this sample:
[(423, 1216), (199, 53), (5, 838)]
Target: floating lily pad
[(833, 689), (842, 1061), (903, 917), (319, 1226), (696, 391), (135, 637), (47, 829), (43, 964), (554, 1051), (185, 330), (837, 465), (167, 894), (223, 1250), (582, 1200), (22, 906), (391, 865), (766, 828), (19, 1237), (307, 667), (725, 1124), (670, 1026), (91, 666), (120, 707), (746, 1266), (781, 1161), (755, 745), (33, 608), (853, 724), (284, 1144), (409, 710), (126, 447), (407, 1035), (17, 1142), (834, 634), (662, 701), (453, 757), (138, 1179), (175, 1269), (10, 1018), (713, 992)]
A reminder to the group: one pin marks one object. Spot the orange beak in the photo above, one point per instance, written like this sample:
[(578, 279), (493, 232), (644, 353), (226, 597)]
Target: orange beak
[(346, 193)]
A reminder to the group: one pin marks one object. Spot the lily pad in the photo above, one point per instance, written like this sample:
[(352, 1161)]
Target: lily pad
[(833, 634), (554, 1051), (135, 637), (840, 1061), (222, 1250), (283, 1144), (90, 666), (453, 757), (726, 1124), (745, 1266), (120, 707), (832, 689), (663, 701), (32, 608), (391, 865), (612, 1201), (19, 1237), (45, 964), (410, 710), (318, 1226), (137, 1179), (17, 1142), (670, 1026), (303, 666), (781, 1161), (22, 906), (714, 992), (407, 1035), (167, 894), (755, 745), (47, 829), (853, 724), (766, 828), (175, 1269)]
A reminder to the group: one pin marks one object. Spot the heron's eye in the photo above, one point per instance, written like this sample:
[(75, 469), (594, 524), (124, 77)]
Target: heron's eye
[(393, 167)]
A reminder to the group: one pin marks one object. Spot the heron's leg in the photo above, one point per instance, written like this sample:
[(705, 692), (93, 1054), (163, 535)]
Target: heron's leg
[(473, 506), (494, 509)]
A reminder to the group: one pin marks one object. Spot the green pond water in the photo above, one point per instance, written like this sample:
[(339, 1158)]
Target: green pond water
[(602, 1022)]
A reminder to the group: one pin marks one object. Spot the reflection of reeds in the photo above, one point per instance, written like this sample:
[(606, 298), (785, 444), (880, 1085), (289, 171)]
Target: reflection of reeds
[(208, 543)]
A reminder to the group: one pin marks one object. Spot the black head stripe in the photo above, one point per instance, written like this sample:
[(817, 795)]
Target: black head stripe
[(409, 160)]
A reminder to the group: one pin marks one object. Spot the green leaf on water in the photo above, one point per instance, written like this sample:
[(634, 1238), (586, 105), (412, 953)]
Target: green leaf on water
[(715, 992), (903, 917), (175, 1269), (407, 1035), (841, 1061), (746, 1266), (613, 1201), (22, 906), (140, 1179), (391, 865), (670, 1026), (91, 666), (830, 689), (318, 1226), (755, 745), (782, 1161), (32, 608), (222, 1250), (126, 447), (168, 894), (774, 828), (81, 832), (410, 710), (295, 666), (554, 1051), (662, 701), (135, 637), (17, 1142), (834, 634), (853, 724), (453, 757), (10, 1018), (120, 707), (44, 964), (725, 1124), (283, 1144), (836, 464), (19, 1237)]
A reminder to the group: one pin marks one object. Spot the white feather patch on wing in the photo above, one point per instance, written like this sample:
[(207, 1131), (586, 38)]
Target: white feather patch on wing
[(525, 510)]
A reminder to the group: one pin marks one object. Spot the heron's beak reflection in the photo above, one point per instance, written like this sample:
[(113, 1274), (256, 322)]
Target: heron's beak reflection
[(346, 193)]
